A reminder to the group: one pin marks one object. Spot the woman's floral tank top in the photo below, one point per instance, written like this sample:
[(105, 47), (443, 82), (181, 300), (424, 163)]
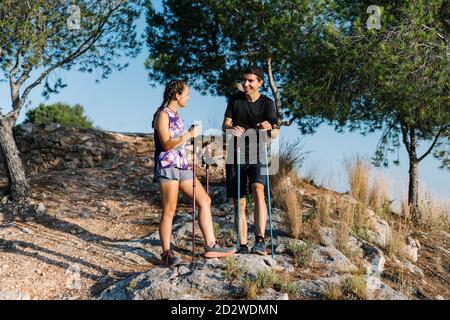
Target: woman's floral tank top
[(175, 157)]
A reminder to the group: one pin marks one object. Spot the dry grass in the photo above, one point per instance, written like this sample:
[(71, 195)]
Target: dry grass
[(289, 202), (361, 220), (373, 195), (282, 282), (358, 172), (434, 214), (396, 243), (311, 226), (323, 207), (250, 288), (290, 158), (293, 214), (354, 288), (346, 217), (351, 288), (379, 199), (333, 292), (283, 184)]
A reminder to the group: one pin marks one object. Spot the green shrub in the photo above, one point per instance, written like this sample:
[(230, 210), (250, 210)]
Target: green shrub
[(61, 113)]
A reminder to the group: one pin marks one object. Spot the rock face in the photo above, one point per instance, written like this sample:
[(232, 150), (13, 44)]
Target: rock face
[(51, 147), (210, 278), (412, 249), (380, 231)]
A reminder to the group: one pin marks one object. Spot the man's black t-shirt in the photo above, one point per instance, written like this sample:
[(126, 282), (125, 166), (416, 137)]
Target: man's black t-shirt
[(248, 114)]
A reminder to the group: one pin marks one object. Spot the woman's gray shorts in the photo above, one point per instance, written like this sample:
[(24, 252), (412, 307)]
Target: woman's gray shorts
[(168, 174)]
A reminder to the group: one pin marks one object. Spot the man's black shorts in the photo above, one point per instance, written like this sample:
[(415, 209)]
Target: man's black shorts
[(250, 173)]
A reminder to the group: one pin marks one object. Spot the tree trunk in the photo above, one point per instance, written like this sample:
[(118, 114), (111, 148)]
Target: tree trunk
[(18, 183), (413, 189)]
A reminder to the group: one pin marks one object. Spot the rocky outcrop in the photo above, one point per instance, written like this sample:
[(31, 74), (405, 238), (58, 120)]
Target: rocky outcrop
[(205, 279), (52, 147)]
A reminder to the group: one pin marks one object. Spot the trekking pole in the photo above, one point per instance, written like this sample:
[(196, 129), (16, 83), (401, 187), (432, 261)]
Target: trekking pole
[(238, 160), (194, 185), (268, 201), (207, 158), (207, 179)]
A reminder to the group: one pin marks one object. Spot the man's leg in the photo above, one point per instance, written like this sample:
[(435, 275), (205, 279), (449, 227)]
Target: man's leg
[(257, 183), (243, 222), (260, 212)]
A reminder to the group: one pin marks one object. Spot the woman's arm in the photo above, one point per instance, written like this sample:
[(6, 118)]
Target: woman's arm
[(162, 126)]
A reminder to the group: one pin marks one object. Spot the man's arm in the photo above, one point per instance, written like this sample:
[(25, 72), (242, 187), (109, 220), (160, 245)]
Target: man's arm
[(272, 130), (273, 134), (227, 124)]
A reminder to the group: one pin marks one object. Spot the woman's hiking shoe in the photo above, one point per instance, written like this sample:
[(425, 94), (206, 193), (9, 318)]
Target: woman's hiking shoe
[(218, 251), (260, 246), (169, 259)]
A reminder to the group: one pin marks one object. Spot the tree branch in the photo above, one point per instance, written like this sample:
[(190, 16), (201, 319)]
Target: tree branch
[(80, 50), (12, 73), (405, 137), (441, 130), (277, 97), (289, 122), (275, 92)]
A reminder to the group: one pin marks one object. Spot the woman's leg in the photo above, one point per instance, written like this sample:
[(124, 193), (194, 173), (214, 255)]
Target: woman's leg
[(169, 199), (204, 203)]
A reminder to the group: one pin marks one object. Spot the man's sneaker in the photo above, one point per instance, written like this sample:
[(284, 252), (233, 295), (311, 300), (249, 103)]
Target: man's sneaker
[(168, 259), (218, 251), (243, 249), (260, 246)]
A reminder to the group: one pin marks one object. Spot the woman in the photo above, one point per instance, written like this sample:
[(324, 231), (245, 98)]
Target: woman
[(173, 174)]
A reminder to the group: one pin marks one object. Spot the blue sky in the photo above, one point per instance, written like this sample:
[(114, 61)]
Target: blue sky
[(126, 102)]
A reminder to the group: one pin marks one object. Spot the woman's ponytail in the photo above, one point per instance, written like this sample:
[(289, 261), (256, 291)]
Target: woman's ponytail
[(172, 88)]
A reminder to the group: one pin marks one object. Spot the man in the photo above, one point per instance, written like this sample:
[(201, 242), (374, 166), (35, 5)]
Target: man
[(248, 113)]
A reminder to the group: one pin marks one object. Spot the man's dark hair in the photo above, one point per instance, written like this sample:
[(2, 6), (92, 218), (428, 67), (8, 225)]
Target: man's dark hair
[(256, 71)]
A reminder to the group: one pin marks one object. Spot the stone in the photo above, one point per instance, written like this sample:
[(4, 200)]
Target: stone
[(52, 127), (40, 208), (317, 288), (14, 295), (384, 292), (327, 237), (271, 294), (413, 268), (380, 232), (411, 249), (136, 258), (332, 260), (26, 128)]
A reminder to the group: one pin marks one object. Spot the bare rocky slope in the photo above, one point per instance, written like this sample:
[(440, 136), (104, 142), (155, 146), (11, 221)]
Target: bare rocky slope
[(89, 231)]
